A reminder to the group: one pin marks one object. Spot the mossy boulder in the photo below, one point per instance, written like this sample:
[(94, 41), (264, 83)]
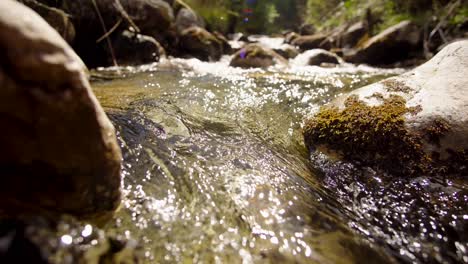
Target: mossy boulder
[(256, 56), (412, 124), (199, 43), (399, 42), (59, 150)]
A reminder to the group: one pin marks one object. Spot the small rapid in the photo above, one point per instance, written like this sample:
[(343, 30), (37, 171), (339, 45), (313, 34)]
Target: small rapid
[(215, 169)]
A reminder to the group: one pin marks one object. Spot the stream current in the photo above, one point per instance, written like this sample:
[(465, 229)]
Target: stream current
[(215, 171)]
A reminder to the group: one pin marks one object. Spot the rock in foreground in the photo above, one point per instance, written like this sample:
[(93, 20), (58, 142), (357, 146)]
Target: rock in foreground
[(59, 150), (413, 124)]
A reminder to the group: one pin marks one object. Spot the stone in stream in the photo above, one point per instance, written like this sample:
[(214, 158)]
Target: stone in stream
[(227, 49), (412, 124), (201, 44), (392, 45), (59, 150), (290, 37), (154, 18), (256, 56), (320, 57), (126, 43), (317, 41), (287, 51)]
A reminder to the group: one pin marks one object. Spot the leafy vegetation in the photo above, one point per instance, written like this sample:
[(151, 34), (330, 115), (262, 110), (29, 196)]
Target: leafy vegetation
[(274, 16)]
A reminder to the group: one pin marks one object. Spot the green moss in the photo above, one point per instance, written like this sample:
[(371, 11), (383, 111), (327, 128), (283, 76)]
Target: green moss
[(396, 86), (435, 130), (373, 135)]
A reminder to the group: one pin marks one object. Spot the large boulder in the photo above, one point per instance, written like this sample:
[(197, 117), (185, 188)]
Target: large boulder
[(201, 44), (256, 56), (412, 124), (317, 41), (187, 18), (58, 19), (130, 48), (390, 46), (59, 150)]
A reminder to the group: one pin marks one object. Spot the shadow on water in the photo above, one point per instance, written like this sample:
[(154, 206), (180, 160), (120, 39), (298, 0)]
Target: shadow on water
[(215, 171)]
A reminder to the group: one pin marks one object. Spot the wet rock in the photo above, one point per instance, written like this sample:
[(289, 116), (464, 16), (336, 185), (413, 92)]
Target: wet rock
[(187, 18), (307, 29), (58, 19), (412, 124), (392, 45), (256, 56), (322, 56), (287, 51), (316, 57), (130, 48), (201, 44), (354, 34), (227, 49), (63, 241), (290, 37), (59, 150), (317, 41), (151, 17)]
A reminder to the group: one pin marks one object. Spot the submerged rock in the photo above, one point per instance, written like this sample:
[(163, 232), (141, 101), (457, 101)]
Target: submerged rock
[(58, 19), (413, 124), (59, 150), (390, 46), (130, 48), (201, 44), (256, 56)]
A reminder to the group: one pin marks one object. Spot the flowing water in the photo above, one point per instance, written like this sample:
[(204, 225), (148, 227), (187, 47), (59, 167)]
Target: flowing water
[(215, 171)]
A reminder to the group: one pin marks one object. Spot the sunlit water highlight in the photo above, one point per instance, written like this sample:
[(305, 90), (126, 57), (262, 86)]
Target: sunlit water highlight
[(215, 169)]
